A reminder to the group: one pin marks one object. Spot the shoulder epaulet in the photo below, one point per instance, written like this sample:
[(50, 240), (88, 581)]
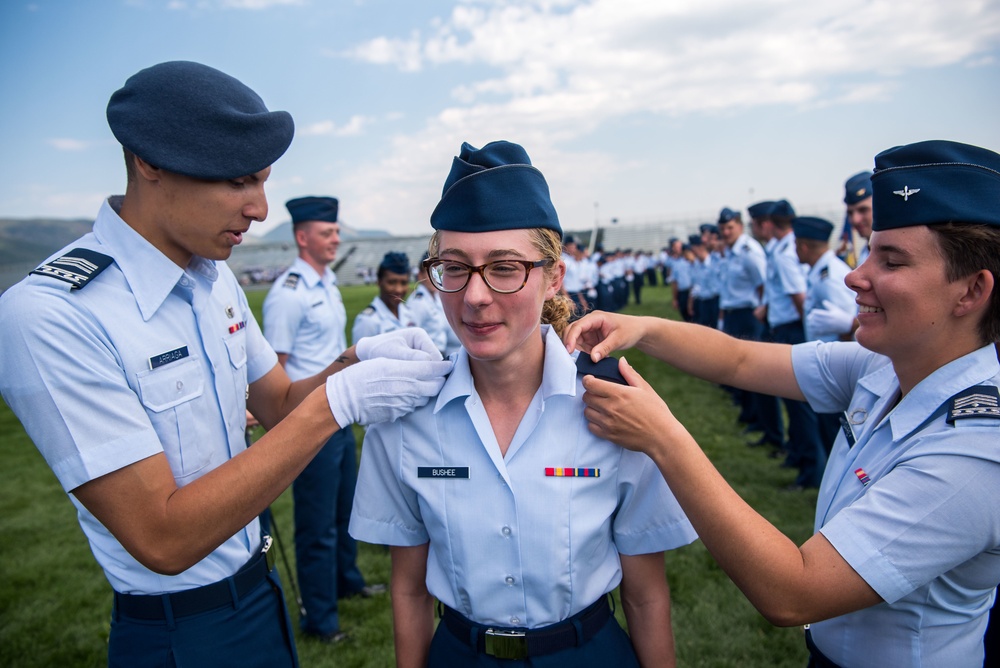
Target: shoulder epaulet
[(606, 369), (419, 294), (824, 273), (368, 310), (291, 281), (77, 267), (981, 401)]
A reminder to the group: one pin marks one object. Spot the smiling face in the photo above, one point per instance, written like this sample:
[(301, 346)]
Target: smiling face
[(318, 242), (195, 217), (497, 327), (860, 216), (906, 302)]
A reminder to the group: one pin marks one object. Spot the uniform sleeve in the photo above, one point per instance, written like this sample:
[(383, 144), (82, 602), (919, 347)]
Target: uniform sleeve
[(793, 279), (62, 377), (648, 519), (282, 317), (386, 511), (827, 373), (364, 325), (928, 515)]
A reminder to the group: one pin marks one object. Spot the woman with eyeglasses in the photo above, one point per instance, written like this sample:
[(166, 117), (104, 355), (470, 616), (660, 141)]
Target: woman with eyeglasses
[(495, 498)]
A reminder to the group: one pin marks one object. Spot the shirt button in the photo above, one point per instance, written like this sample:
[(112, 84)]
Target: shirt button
[(515, 621), (509, 580), (505, 531), (180, 385)]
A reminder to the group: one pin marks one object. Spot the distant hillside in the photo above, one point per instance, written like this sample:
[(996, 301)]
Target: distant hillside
[(34, 239)]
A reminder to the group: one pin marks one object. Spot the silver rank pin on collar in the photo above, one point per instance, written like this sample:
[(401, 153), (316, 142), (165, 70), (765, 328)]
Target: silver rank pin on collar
[(906, 192)]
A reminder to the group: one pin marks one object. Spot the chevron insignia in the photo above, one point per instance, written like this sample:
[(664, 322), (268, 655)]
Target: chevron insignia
[(77, 267), (291, 281), (981, 401)]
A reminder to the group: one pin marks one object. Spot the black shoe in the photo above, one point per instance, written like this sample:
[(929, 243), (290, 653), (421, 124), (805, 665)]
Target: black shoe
[(332, 638)]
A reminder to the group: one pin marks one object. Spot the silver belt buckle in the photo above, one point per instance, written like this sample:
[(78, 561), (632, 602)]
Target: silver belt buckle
[(505, 644)]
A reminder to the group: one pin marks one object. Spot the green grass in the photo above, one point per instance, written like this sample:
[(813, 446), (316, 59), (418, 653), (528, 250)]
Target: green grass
[(55, 602)]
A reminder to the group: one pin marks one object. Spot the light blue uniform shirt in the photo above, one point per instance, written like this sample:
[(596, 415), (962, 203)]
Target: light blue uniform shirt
[(924, 531), (304, 317), (376, 318), (785, 277), (509, 545), (681, 273), (78, 369), (741, 274), (825, 282), (425, 308), (704, 278)]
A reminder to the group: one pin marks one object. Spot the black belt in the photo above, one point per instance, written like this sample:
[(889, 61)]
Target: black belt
[(159, 607), (508, 643)]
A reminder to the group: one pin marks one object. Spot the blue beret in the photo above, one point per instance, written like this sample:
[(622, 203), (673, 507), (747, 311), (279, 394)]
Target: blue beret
[(782, 208), (305, 209), (397, 263), (935, 182), (494, 188), (807, 227), (695, 240), (727, 215), (760, 209), (858, 187), (194, 120)]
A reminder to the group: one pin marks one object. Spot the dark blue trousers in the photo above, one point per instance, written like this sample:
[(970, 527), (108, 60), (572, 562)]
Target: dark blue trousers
[(325, 554), (759, 410), (255, 631), (610, 647)]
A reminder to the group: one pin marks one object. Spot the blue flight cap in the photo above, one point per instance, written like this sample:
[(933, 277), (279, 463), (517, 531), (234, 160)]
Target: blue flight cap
[(857, 188), (396, 263), (570, 239), (305, 209), (695, 240), (760, 209), (494, 188), (808, 227), (782, 209), (727, 215), (194, 120), (708, 227), (935, 182)]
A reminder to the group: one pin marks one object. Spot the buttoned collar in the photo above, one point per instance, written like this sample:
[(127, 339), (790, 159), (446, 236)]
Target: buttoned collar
[(150, 274), (930, 394), (558, 373)]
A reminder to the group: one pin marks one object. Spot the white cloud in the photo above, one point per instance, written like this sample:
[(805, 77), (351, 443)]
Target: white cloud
[(66, 144), (354, 126), (257, 4)]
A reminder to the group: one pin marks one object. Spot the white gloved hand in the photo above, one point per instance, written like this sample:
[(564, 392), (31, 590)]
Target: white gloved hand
[(831, 319), (382, 390), (409, 343)]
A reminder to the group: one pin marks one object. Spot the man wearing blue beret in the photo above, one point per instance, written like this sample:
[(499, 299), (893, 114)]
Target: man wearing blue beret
[(132, 358), (305, 321), (388, 311)]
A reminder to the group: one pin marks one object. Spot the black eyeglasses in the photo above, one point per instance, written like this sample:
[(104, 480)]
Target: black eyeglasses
[(503, 276)]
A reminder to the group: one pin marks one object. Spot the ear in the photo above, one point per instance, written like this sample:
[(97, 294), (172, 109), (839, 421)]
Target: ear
[(556, 280), (978, 290), (300, 234), (145, 170)]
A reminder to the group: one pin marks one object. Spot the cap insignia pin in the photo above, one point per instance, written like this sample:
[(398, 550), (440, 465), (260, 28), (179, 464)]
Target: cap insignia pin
[(906, 192)]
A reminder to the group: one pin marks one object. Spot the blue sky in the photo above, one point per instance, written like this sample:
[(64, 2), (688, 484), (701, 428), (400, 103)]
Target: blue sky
[(638, 110)]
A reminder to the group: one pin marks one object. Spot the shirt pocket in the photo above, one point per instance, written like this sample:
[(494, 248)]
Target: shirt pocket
[(169, 395)]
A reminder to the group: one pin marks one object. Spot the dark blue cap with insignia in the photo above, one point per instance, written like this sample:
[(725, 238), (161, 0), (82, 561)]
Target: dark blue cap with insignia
[(305, 209), (727, 215), (760, 209), (809, 227), (494, 188), (695, 240), (708, 227), (397, 263), (858, 187), (782, 209), (194, 120), (935, 182)]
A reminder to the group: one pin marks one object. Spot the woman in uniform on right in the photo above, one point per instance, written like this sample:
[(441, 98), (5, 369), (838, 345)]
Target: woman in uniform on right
[(903, 567)]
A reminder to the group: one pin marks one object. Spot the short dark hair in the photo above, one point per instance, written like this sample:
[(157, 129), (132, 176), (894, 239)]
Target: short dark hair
[(968, 248)]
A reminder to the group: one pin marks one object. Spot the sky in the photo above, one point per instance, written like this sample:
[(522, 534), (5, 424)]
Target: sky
[(635, 110)]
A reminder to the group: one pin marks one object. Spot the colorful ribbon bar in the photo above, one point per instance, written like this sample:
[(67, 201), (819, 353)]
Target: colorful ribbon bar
[(237, 327), (555, 472)]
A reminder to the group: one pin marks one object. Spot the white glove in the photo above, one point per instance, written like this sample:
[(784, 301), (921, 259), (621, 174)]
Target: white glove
[(382, 390), (831, 319), (409, 343)]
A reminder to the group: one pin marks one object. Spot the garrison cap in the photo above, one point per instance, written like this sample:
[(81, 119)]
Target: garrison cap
[(708, 227), (305, 209), (783, 209), (396, 263), (760, 209), (809, 227), (494, 188), (695, 240), (194, 120), (935, 182), (858, 187), (727, 215)]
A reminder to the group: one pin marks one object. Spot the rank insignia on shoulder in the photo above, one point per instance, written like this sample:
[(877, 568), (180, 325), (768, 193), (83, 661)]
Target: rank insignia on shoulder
[(824, 273), (291, 281), (369, 310), (77, 267), (606, 369), (981, 401)]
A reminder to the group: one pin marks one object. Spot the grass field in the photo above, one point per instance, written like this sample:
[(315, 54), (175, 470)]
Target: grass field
[(55, 602)]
